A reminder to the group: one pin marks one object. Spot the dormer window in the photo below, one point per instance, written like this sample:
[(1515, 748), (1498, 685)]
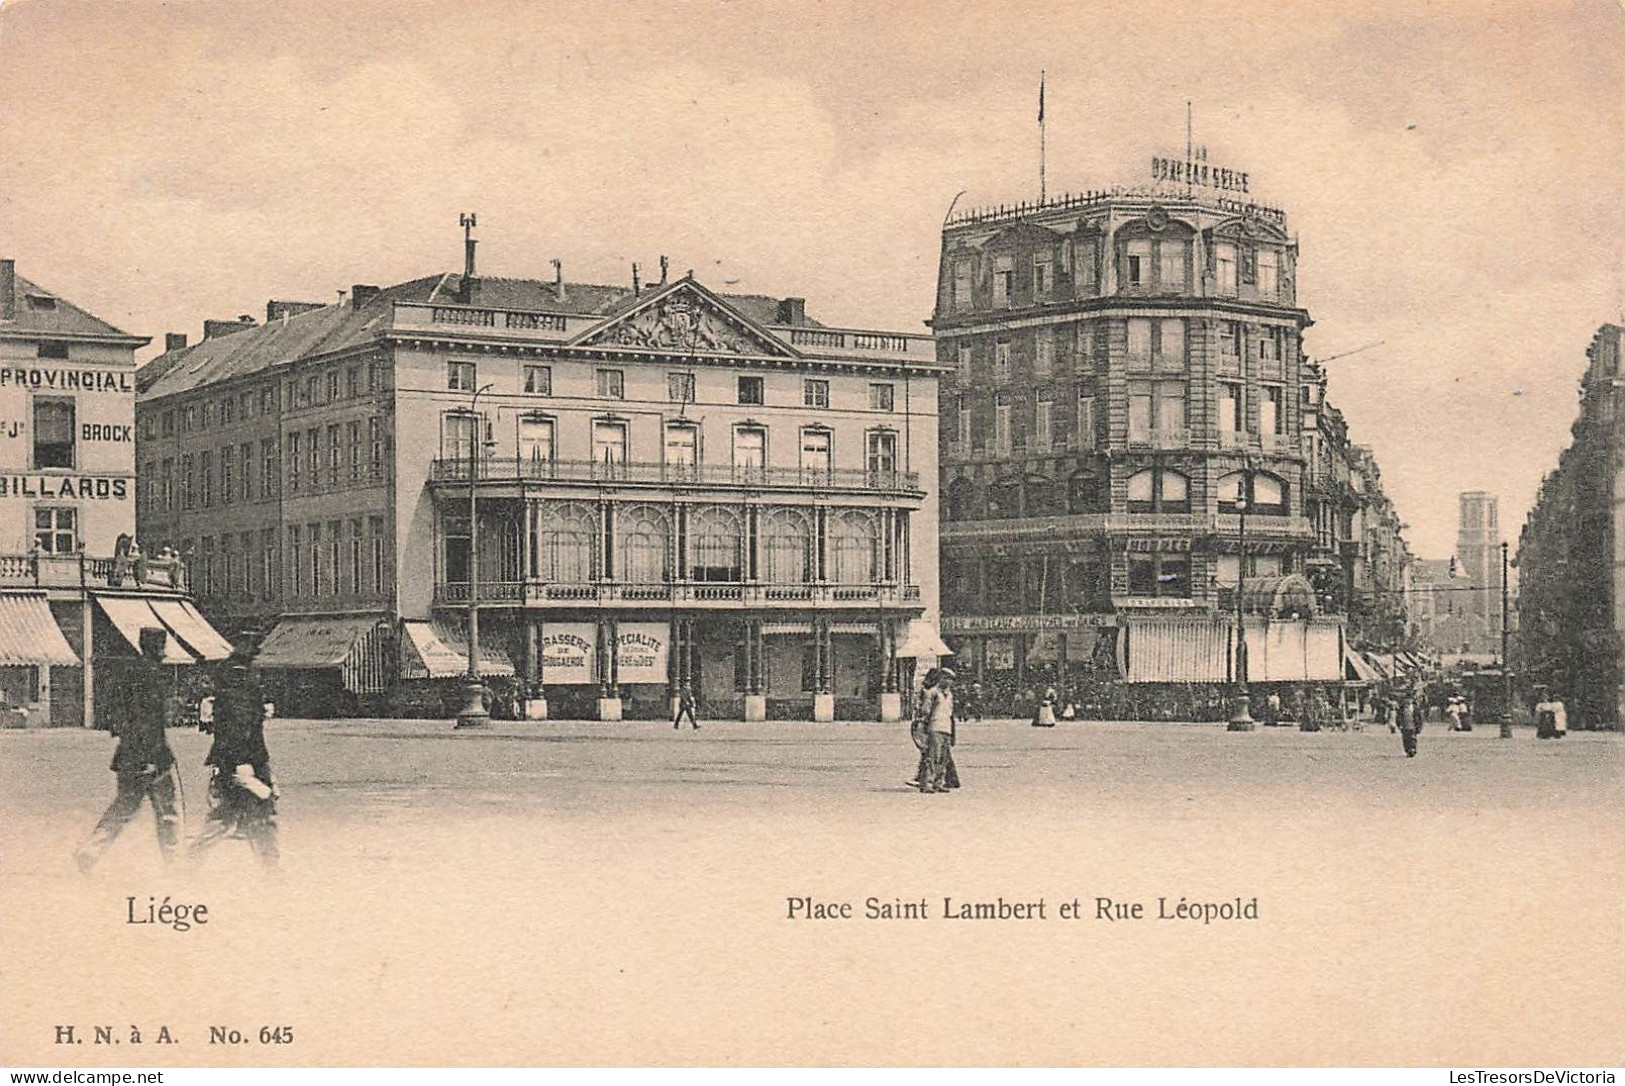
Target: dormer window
[(1004, 281)]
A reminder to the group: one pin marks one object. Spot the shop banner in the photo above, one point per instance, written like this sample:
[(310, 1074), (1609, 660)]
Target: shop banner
[(569, 652), (641, 652)]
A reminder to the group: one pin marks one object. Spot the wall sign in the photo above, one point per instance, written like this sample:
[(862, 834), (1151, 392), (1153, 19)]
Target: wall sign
[(641, 649), (569, 653), (64, 486)]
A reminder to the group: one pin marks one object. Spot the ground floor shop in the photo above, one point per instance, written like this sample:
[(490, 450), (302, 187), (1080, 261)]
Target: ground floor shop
[(589, 665)]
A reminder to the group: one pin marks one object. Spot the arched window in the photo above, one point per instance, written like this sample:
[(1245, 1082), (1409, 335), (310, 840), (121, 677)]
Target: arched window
[(716, 549), (854, 545), (566, 532), (1158, 490), (644, 537), (787, 547), (1266, 494)]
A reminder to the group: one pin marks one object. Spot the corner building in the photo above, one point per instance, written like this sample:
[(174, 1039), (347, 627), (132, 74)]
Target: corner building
[(668, 486), (1123, 371)]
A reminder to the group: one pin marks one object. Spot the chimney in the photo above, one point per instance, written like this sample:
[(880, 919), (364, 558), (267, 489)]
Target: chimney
[(8, 290), (362, 294), (470, 289), (216, 329), (793, 311), (276, 311), (174, 341), (636, 288), (664, 269), (558, 280)]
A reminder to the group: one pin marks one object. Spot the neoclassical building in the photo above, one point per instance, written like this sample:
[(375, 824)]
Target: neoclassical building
[(1124, 401), (667, 486)]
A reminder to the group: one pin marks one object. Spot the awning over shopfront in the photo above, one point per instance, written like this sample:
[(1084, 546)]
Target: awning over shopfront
[(1294, 651), (29, 636), (921, 641), (358, 646), (192, 628), (430, 652), (1179, 650), (1357, 669), (130, 614)]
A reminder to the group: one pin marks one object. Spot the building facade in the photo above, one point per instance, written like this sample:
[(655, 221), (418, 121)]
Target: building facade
[(643, 487), (73, 597), (1124, 441), (1571, 555), (1478, 553)]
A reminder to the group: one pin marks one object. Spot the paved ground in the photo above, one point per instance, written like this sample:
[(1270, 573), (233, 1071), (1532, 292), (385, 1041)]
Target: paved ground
[(533, 892)]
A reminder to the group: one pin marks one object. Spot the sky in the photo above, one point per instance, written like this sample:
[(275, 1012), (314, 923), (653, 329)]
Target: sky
[(1452, 170)]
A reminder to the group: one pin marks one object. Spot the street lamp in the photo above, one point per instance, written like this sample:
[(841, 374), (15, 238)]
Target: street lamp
[(474, 714), (1240, 719)]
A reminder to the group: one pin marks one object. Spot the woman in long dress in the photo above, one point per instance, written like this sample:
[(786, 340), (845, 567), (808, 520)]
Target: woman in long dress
[(920, 730)]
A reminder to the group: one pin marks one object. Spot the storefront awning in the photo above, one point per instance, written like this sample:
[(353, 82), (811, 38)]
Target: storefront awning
[(29, 635), (192, 628), (1185, 650), (131, 614), (313, 641), (921, 641), (435, 653), (1357, 669)]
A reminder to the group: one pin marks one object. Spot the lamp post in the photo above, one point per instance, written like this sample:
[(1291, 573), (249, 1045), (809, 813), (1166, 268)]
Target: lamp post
[(1241, 720), (474, 714)]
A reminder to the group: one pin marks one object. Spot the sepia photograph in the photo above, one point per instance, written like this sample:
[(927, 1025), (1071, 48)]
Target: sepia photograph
[(684, 533)]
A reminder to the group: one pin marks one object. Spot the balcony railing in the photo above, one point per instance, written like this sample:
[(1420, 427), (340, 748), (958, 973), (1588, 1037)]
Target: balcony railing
[(1263, 526), (683, 592), (83, 571), (519, 469)]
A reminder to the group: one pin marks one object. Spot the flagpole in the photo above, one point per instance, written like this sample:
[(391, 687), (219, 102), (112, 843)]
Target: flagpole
[(1041, 140)]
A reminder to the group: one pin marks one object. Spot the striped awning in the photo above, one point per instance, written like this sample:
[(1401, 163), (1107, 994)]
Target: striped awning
[(432, 652), (1184, 650), (1357, 668), (192, 628), (313, 642), (131, 614), (29, 635)]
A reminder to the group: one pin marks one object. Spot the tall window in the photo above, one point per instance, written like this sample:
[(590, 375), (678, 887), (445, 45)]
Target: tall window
[(1137, 263), (536, 440), (169, 483), (680, 387), (352, 382), (313, 457), (611, 385), (245, 461), (814, 393), (375, 447), (334, 455), (1230, 414), (1155, 407), (188, 474), (268, 471), (1269, 278), (268, 562), (353, 433), (1001, 428), (750, 390), (882, 397), (56, 529), (296, 560), (246, 542), (964, 424), (206, 567), (206, 479), (1139, 340), (313, 391), (1044, 352), (1001, 360), (228, 490), (1230, 339), (1160, 575), (539, 380), (1043, 273), (457, 430), (881, 453), (608, 443), (963, 371), (816, 457), (1224, 267), (1269, 410), (1171, 264), (964, 270), (682, 449), (53, 432), (1004, 281), (375, 531), (750, 450), (332, 386), (1172, 346), (353, 568), (1043, 419), (1086, 420), (461, 376)]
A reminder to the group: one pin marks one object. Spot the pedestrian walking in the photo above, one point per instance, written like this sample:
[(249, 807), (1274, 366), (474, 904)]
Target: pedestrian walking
[(1409, 712), (241, 788), (685, 707), (1044, 714), (142, 763)]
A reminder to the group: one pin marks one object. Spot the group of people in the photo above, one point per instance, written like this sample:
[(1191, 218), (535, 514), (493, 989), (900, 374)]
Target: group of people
[(242, 790), (934, 729)]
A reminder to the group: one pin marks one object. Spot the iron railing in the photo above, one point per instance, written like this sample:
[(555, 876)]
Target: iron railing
[(455, 469), (681, 592)]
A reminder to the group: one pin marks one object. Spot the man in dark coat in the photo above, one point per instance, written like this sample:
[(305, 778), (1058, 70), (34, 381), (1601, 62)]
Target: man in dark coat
[(143, 762), (241, 785)]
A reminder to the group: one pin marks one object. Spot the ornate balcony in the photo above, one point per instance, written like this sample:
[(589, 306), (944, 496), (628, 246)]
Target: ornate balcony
[(1195, 524), (681, 594), (40, 570), (513, 470)]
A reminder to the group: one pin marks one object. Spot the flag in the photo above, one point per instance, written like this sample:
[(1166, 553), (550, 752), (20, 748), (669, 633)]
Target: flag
[(1040, 97)]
